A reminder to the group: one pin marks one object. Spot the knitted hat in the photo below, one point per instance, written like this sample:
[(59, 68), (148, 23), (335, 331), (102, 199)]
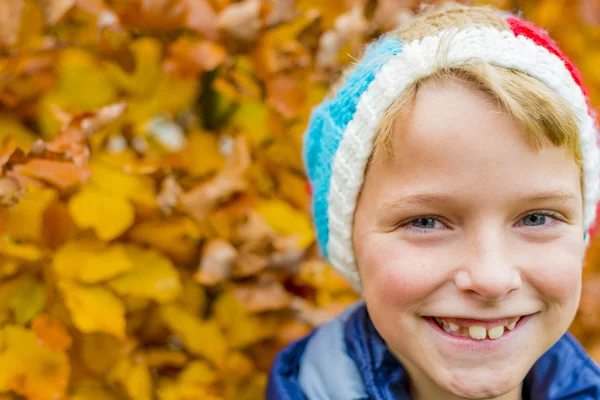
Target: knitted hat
[(340, 136)]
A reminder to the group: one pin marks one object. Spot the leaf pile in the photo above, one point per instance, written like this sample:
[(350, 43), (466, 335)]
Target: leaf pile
[(155, 239)]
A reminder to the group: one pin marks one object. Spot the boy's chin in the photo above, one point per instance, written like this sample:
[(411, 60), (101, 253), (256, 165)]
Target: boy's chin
[(483, 383)]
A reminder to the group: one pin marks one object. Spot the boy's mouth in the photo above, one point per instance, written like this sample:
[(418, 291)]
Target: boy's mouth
[(476, 329)]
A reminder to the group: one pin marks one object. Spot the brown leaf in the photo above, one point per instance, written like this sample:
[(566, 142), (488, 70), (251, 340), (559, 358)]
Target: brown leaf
[(265, 295), (55, 9), (241, 20), (284, 93), (216, 262), (188, 58), (199, 201), (201, 17), (10, 21), (58, 173), (168, 197), (11, 192)]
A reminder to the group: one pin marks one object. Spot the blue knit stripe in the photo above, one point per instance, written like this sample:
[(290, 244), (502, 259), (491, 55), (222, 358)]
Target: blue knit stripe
[(328, 123)]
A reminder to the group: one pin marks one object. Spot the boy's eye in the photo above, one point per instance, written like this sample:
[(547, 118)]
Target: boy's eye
[(539, 219), (425, 223), (534, 220)]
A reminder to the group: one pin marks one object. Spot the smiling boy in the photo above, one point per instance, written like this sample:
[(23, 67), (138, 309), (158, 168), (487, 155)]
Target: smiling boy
[(455, 175)]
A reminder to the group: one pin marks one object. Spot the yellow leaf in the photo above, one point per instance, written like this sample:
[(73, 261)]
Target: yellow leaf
[(82, 80), (28, 300), (26, 219), (198, 373), (287, 220), (176, 237), (251, 119), (94, 309), (23, 251), (202, 338), (11, 127), (88, 389), (109, 179), (153, 276), (109, 215), (90, 261), (134, 376), (242, 328), (29, 369)]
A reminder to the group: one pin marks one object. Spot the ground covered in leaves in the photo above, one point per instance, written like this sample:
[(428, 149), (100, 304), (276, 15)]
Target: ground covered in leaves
[(155, 234)]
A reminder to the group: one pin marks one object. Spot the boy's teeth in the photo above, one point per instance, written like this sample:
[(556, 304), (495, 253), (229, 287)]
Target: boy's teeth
[(477, 332), (496, 332)]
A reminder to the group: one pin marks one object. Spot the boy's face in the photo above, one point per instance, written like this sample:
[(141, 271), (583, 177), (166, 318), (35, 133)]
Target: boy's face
[(468, 223)]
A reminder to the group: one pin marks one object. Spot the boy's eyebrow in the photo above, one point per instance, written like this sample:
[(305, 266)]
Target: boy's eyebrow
[(563, 196)]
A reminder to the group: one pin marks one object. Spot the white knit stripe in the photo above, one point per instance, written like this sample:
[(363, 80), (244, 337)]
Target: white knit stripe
[(419, 59)]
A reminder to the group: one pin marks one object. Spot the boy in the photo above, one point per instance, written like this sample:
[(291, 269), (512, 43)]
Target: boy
[(455, 175)]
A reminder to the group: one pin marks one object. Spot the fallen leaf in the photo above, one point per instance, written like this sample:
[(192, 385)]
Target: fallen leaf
[(25, 220), (94, 309), (10, 192), (241, 20), (55, 9), (51, 333), (176, 237), (27, 300), (286, 220), (91, 261), (112, 214), (201, 17), (216, 262), (153, 276), (203, 338), (58, 173), (30, 369), (10, 21), (264, 295), (133, 374)]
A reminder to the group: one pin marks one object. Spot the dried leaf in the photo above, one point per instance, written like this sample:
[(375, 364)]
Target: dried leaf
[(10, 21), (11, 192), (55, 9), (153, 277), (59, 173), (133, 374), (89, 261), (203, 338), (30, 369), (94, 309), (216, 262), (241, 20), (265, 295), (27, 300), (112, 214), (51, 333)]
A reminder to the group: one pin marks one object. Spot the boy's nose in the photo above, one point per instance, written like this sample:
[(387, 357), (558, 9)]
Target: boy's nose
[(488, 272)]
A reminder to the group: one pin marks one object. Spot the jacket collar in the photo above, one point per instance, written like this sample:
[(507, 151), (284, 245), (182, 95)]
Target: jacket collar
[(347, 359)]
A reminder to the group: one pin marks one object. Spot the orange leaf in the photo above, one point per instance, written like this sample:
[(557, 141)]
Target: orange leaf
[(55, 9), (51, 333), (10, 21), (59, 173)]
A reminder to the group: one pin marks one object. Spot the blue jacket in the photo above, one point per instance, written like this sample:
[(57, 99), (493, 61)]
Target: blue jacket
[(346, 359)]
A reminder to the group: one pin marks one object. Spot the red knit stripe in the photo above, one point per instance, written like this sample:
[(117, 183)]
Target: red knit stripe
[(541, 38)]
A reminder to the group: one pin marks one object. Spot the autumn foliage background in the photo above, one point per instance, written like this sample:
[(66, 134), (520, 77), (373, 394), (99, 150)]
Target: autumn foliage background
[(154, 217)]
